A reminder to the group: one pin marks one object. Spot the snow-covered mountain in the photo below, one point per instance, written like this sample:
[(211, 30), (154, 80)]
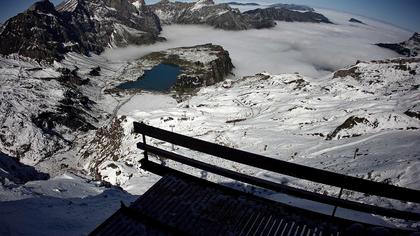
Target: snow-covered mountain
[(409, 48), (201, 12), (284, 14), (362, 121), (291, 117), (225, 17), (61, 117), (44, 32), (43, 108)]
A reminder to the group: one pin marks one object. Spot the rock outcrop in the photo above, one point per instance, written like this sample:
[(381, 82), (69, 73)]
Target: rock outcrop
[(354, 20), (44, 32), (201, 65), (409, 48)]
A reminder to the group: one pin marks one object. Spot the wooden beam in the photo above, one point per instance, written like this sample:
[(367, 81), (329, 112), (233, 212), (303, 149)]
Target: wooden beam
[(272, 185), (282, 167)]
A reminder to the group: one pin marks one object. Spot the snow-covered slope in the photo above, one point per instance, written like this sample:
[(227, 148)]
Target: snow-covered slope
[(355, 122), (45, 107), (64, 205), (361, 121)]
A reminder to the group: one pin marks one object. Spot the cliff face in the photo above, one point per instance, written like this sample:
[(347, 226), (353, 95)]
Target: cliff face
[(409, 48), (44, 32), (205, 73)]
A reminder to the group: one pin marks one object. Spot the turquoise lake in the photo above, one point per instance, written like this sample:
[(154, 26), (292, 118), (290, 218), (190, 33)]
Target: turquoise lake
[(160, 78)]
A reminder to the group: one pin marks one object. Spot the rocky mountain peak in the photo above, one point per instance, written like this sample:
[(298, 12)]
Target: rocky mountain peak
[(69, 6), (44, 6), (415, 37), (81, 26), (118, 4), (205, 2)]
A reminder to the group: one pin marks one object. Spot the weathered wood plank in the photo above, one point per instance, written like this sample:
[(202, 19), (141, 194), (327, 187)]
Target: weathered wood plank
[(282, 167), (272, 185), (199, 207)]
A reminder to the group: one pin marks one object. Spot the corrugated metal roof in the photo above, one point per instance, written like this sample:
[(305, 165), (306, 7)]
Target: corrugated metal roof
[(185, 206)]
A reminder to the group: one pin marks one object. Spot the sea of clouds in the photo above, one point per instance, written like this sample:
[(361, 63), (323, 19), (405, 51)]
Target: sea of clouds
[(308, 48)]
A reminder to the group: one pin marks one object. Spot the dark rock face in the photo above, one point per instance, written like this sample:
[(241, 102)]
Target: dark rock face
[(354, 20), (95, 71), (38, 33), (205, 75), (44, 32), (409, 48), (414, 112), (283, 14), (353, 72), (348, 124)]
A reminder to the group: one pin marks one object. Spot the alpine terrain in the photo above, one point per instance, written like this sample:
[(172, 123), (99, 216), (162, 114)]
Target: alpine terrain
[(73, 80)]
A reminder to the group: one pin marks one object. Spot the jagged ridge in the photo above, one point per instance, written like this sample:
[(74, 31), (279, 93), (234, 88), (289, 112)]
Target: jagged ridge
[(44, 32)]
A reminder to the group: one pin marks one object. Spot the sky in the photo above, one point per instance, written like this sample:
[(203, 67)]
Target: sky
[(402, 13)]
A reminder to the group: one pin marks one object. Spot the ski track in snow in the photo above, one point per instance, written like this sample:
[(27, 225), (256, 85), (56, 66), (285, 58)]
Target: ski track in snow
[(338, 147)]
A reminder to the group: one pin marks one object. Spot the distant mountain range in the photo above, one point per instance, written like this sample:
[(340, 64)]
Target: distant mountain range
[(243, 4), (283, 14), (225, 17), (292, 7), (45, 32), (409, 48)]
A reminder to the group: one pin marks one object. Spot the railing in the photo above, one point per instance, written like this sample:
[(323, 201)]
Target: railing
[(280, 167)]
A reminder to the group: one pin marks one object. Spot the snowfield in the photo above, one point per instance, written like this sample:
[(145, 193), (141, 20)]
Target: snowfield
[(295, 118), (64, 205)]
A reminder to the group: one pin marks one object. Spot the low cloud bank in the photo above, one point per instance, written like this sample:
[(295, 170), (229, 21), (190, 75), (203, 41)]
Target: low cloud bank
[(311, 49)]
